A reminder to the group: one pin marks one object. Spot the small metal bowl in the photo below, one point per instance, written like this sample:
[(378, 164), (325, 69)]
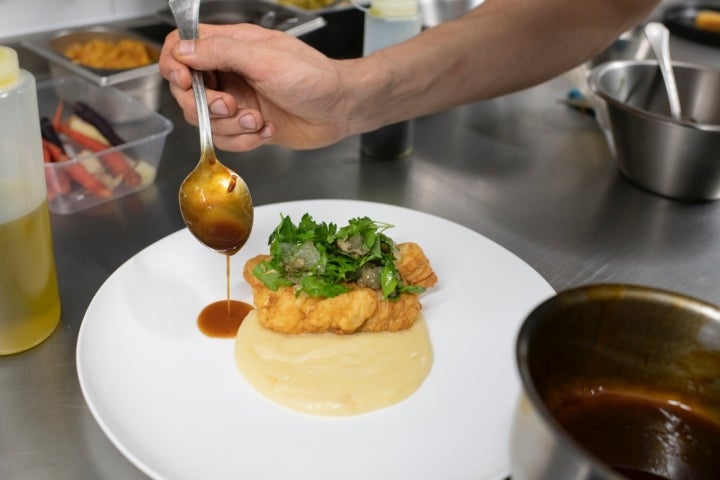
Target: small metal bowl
[(143, 83), (679, 159)]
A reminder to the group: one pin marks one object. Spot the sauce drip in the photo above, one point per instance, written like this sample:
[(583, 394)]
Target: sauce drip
[(222, 319)]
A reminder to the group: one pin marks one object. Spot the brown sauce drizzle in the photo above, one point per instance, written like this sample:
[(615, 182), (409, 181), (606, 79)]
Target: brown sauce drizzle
[(222, 319)]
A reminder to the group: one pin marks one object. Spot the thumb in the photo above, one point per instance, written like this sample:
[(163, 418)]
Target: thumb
[(241, 49)]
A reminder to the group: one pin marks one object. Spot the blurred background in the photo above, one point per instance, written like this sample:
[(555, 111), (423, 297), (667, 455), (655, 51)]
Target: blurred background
[(18, 17)]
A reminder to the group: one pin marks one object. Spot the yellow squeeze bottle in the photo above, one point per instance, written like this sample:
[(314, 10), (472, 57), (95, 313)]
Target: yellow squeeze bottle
[(29, 299)]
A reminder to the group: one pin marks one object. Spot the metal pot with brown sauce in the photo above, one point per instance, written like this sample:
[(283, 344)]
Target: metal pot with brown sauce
[(619, 381)]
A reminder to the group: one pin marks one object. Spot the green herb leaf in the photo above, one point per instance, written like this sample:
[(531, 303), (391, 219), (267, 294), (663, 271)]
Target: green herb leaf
[(320, 259), (270, 276), (319, 287), (388, 280)]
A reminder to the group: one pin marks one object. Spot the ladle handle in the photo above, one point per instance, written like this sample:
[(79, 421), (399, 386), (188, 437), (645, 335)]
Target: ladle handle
[(659, 38), (186, 14)]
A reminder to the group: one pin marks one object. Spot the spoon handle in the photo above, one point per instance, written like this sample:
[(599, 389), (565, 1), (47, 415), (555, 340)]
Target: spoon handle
[(659, 38), (186, 14)]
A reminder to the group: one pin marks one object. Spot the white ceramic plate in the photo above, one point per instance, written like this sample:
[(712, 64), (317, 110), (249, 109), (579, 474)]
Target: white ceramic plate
[(172, 401)]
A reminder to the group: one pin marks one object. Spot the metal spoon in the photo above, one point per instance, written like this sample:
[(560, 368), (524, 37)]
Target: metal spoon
[(659, 38), (215, 202)]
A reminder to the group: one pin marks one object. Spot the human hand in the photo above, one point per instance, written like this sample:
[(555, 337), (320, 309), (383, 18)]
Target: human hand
[(263, 86)]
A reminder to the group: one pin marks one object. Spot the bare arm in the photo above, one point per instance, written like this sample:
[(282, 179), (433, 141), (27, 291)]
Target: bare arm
[(272, 88), (500, 47)]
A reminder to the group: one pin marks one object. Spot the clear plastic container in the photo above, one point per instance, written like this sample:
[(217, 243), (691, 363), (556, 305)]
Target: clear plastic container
[(29, 298), (388, 22), (144, 131)]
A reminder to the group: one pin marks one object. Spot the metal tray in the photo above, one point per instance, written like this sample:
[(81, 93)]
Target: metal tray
[(293, 21), (52, 46)]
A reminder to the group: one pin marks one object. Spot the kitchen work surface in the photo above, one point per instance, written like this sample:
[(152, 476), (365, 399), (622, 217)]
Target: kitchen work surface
[(524, 173)]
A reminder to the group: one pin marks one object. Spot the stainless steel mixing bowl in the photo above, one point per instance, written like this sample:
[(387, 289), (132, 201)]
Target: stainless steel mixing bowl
[(677, 159), (595, 345)]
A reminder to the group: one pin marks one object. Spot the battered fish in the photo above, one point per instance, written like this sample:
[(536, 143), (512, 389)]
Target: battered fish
[(361, 309)]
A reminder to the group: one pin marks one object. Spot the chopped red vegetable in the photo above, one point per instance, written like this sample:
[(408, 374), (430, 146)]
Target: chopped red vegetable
[(115, 161), (95, 119), (77, 172)]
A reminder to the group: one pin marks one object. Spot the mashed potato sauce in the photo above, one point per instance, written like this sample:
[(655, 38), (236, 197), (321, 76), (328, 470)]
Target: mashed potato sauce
[(334, 375)]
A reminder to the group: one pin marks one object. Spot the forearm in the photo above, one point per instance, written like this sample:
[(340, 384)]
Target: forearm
[(500, 47)]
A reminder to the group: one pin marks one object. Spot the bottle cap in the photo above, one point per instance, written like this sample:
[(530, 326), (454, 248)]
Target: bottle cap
[(9, 68), (394, 8)]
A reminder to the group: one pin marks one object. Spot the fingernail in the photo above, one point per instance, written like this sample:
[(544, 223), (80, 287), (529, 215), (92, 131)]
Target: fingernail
[(265, 131), (186, 47), (174, 77), (248, 122), (218, 107)]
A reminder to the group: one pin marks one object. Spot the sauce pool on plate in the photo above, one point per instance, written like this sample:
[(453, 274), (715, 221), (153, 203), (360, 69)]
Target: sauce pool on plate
[(222, 319)]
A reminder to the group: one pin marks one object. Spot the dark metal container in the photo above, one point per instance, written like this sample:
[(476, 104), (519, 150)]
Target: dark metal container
[(609, 374)]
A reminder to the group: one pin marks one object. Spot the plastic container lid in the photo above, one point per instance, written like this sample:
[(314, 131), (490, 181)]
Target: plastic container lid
[(394, 8), (9, 68)]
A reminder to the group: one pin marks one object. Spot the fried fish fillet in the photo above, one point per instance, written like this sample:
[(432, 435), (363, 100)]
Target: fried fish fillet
[(361, 309), (413, 266)]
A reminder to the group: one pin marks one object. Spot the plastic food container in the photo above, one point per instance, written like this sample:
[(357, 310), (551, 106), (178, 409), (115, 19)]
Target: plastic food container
[(69, 187)]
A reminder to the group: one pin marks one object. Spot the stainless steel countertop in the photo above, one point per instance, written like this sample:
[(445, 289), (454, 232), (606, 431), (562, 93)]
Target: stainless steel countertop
[(523, 170)]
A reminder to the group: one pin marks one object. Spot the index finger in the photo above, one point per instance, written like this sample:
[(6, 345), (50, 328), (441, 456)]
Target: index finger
[(170, 68)]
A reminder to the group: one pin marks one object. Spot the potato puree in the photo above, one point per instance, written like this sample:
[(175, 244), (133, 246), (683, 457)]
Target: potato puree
[(328, 374)]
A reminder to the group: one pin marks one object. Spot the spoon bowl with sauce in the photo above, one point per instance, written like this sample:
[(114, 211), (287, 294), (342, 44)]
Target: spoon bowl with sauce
[(215, 202)]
